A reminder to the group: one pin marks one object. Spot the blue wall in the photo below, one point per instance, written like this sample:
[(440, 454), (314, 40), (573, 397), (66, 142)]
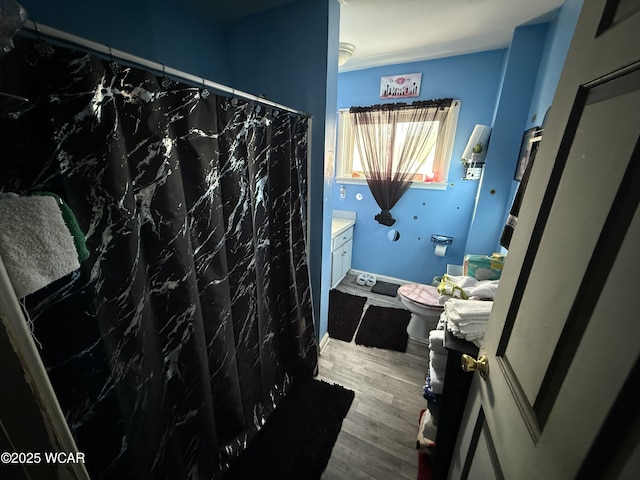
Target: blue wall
[(498, 88), (556, 46), (555, 52), (171, 32), (519, 79), (329, 148), (474, 79)]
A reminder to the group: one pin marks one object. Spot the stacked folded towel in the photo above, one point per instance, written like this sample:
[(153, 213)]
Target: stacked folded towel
[(467, 319), (437, 361), (436, 341), (436, 380), (453, 286), (36, 244)]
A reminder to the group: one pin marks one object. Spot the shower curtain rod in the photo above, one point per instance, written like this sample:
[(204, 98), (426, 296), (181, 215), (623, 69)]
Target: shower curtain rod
[(40, 31)]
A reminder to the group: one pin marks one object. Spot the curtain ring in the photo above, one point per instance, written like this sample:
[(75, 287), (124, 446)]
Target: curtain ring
[(43, 49), (115, 67), (38, 34), (205, 90), (165, 81)]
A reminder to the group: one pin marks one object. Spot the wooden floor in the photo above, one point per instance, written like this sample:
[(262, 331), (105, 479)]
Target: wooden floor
[(378, 436)]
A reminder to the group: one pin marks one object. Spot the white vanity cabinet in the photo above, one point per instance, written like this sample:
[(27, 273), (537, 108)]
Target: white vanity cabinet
[(341, 246)]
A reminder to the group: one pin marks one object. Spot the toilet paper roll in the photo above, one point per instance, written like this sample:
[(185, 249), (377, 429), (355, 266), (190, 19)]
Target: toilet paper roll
[(440, 250)]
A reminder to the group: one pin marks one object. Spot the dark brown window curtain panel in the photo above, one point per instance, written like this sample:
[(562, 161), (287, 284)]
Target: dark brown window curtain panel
[(389, 159)]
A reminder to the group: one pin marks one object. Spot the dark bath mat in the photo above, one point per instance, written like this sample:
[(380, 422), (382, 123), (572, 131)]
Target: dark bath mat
[(297, 440), (345, 311), (384, 327), (385, 288)]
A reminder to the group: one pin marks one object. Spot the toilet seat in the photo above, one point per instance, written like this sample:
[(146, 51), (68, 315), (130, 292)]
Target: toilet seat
[(422, 302), (422, 295)]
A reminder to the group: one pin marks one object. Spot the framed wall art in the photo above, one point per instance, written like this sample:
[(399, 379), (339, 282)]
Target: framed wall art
[(400, 86), (528, 147)]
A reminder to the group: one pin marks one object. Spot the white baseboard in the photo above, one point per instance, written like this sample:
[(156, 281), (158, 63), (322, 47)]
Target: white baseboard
[(323, 342), (383, 278)]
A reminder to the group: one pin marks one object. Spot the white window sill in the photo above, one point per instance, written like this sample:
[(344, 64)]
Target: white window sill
[(418, 185)]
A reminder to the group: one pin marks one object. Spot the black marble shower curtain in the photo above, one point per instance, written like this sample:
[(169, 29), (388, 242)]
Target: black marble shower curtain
[(192, 317)]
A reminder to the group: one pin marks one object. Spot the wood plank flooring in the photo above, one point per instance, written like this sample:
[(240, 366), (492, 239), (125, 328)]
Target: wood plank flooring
[(378, 436)]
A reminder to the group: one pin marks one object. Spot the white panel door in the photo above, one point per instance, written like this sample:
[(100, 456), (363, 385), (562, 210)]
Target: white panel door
[(563, 343)]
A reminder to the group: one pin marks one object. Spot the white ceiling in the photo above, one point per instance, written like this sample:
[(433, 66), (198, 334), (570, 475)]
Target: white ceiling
[(398, 31)]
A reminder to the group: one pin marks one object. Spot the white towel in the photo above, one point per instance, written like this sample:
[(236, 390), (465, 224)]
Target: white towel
[(467, 319), (474, 328), (484, 289), (438, 360), (469, 308), (469, 335), (436, 380), (472, 287), (35, 243), (436, 341), (472, 322), (454, 317)]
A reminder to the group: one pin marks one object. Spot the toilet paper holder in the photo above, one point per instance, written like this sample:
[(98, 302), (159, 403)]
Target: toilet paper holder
[(441, 240)]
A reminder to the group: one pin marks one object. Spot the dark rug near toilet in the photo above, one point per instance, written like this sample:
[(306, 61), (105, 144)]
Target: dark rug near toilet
[(385, 288), (384, 327), (297, 440), (345, 311)]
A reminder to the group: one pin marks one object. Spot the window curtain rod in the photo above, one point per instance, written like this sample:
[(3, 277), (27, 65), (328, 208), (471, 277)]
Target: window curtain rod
[(439, 103), (37, 30)]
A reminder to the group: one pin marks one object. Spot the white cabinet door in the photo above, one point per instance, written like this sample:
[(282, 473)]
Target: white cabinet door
[(346, 259), (336, 268), (341, 257)]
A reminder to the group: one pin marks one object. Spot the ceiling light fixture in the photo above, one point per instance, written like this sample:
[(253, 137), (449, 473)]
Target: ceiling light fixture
[(345, 50)]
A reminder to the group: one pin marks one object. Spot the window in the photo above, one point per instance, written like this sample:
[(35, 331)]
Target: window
[(432, 172)]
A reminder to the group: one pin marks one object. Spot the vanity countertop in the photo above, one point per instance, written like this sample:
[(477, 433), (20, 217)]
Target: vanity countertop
[(339, 225)]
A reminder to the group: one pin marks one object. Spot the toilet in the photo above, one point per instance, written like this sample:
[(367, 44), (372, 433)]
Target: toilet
[(422, 302)]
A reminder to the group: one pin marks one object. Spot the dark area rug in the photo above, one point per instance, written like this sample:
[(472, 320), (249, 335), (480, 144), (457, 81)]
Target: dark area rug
[(385, 288), (345, 311), (384, 328), (297, 440)]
